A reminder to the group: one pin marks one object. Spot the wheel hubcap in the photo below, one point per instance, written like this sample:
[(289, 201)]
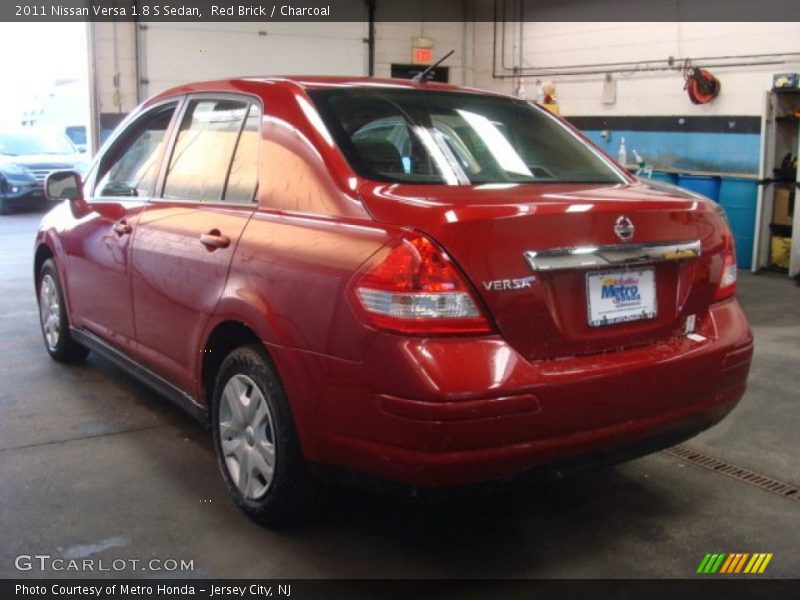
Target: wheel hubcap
[(247, 436), (50, 311)]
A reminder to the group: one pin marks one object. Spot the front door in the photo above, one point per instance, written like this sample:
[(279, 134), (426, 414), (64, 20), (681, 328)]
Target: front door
[(98, 248)]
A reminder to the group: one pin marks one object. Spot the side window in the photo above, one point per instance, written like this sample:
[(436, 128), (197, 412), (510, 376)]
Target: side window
[(243, 177), (132, 168), (203, 149)]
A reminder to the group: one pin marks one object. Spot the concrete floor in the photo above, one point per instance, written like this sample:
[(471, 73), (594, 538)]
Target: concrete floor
[(92, 464)]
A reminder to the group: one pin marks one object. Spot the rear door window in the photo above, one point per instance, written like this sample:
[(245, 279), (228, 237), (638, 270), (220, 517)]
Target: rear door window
[(243, 176), (204, 149)]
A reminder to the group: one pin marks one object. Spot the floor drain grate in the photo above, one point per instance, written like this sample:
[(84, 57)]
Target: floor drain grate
[(766, 483)]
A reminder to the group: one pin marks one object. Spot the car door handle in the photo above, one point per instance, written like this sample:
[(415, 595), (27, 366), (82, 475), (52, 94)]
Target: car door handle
[(214, 239), (122, 228)]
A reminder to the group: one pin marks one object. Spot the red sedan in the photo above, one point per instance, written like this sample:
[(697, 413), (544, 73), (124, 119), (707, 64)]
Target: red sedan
[(411, 281)]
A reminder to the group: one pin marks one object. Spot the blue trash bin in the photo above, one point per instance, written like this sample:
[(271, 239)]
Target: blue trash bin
[(708, 185), (665, 177), (738, 197)]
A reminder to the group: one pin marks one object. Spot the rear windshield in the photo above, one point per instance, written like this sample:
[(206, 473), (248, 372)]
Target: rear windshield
[(413, 136)]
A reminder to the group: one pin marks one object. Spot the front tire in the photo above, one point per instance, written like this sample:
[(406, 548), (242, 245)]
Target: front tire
[(53, 317), (256, 443)]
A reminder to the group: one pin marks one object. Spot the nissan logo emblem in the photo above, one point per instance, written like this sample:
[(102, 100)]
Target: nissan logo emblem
[(624, 228)]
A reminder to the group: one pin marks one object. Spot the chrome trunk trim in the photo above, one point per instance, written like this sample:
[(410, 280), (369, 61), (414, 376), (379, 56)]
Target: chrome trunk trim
[(586, 257)]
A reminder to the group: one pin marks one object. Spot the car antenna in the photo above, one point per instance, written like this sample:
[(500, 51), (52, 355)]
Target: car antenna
[(422, 77)]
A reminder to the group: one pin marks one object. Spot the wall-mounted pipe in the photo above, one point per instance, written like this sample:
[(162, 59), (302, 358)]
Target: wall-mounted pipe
[(137, 52), (464, 59), (503, 64), (94, 100), (670, 64), (645, 67), (370, 37)]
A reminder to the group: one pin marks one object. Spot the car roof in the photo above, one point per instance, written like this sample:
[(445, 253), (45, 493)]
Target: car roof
[(313, 82)]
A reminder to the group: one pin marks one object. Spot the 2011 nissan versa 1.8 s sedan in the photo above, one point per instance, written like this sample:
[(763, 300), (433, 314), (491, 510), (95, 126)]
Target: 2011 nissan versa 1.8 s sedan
[(421, 283)]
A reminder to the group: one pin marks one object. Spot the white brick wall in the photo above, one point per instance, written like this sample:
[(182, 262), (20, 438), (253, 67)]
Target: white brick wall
[(393, 45), (659, 93), (175, 53)]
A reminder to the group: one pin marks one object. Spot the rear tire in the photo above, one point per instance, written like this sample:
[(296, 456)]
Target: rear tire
[(53, 317), (256, 442)]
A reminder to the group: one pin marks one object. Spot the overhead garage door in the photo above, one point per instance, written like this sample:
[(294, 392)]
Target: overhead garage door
[(175, 53)]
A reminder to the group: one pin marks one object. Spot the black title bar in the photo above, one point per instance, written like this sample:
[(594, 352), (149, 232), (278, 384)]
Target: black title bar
[(395, 10), (705, 587)]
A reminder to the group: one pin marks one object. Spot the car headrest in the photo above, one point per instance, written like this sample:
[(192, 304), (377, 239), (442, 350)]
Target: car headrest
[(380, 155)]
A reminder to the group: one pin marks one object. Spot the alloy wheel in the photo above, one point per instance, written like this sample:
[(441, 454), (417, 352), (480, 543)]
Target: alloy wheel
[(50, 311)]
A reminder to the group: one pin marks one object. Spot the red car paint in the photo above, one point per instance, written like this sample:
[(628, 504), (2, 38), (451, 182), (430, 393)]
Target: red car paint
[(539, 386)]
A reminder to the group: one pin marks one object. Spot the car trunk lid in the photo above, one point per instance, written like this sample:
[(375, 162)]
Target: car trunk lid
[(508, 240)]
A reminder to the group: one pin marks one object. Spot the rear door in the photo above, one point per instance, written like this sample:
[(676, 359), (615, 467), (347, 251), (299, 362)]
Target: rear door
[(187, 236)]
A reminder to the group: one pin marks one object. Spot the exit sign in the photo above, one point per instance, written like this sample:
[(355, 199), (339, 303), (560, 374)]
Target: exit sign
[(422, 56), (421, 50)]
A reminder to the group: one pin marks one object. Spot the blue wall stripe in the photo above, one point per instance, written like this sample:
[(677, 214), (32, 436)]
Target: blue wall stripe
[(716, 152)]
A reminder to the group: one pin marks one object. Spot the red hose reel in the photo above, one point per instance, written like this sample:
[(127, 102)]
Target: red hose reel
[(701, 85)]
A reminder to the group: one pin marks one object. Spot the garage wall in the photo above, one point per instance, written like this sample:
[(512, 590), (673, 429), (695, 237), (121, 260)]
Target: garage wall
[(647, 93), (652, 111), (176, 53), (114, 57), (112, 76), (393, 45)]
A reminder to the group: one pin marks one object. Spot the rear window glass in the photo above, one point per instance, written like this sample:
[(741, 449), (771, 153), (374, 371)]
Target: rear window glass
[(435, 137)]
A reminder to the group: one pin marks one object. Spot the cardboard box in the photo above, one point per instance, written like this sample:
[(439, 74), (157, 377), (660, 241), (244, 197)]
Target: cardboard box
[(783, 207), (780, 249)]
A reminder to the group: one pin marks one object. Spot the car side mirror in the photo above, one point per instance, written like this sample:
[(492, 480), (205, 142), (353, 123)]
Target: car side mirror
[(66, 185), (63, 185)]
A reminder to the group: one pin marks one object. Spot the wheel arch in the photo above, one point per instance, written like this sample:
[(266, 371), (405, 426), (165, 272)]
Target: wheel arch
[(42, 253), (221, 340)]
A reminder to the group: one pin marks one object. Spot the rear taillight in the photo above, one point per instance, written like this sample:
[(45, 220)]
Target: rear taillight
[(412, 287), (727, 282)]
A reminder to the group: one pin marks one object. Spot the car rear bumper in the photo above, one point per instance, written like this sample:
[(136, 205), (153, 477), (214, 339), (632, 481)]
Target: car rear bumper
[(451, 411)]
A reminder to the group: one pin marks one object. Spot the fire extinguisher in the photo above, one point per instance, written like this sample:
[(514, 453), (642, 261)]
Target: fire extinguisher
[(701, 85)]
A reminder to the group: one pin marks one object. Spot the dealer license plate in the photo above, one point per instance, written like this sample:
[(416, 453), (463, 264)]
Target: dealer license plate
[(618, 296)]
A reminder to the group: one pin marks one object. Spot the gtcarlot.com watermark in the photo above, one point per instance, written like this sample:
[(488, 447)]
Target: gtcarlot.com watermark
[(47, 562)]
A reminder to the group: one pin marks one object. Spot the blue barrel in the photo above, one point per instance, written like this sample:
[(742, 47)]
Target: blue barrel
[(702, 184), (738, 197), (666, 177)]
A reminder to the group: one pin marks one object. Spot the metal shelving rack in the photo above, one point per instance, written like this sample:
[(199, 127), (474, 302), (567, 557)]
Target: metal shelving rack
[(780, 135)]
